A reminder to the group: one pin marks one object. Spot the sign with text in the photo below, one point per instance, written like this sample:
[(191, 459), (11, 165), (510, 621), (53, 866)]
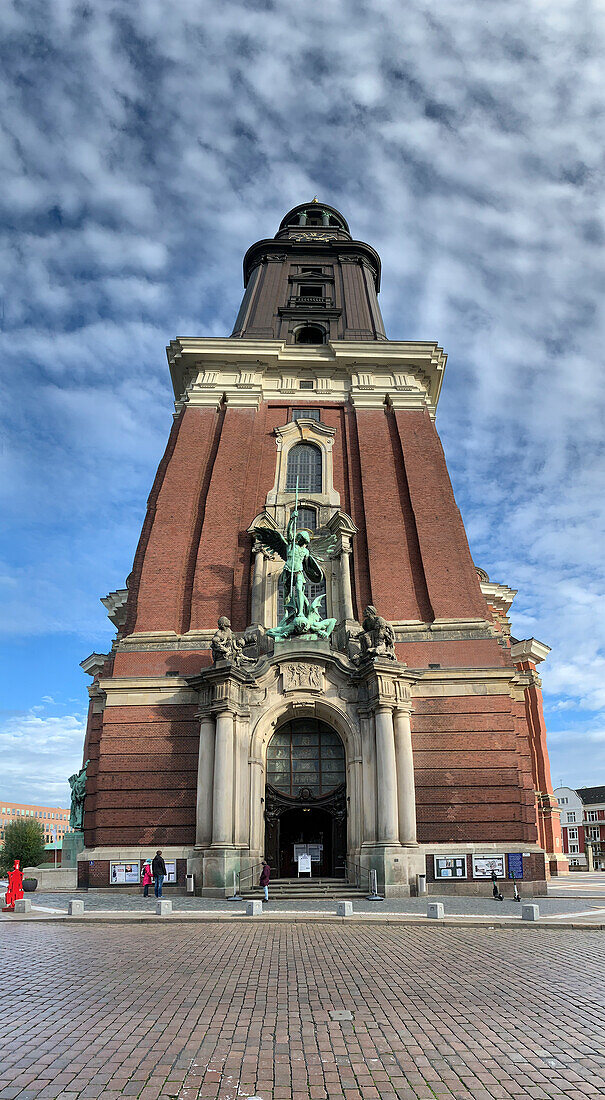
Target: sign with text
[(304, 863), (449, 866), (515, 864), (170, 870), (484, 865), (121, 874)]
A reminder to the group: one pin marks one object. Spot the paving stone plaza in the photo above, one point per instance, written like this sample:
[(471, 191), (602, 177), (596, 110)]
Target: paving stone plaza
[(293, 1011)]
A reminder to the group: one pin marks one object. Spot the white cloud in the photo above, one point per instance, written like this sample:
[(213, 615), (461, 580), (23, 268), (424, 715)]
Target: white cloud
[(38, 753)]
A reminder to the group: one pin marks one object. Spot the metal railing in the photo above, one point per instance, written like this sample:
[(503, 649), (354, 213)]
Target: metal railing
[(356, 875), (244, 880)]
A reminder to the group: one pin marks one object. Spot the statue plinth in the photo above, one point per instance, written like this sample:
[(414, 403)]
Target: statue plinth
[(288, 647), (72, 845)]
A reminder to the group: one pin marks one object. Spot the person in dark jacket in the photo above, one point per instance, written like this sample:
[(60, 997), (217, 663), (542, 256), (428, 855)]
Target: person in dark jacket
[(265, 875), (159, 873)]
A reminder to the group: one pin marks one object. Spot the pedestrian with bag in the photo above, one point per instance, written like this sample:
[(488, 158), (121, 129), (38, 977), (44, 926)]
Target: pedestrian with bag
[(158, 868), (265, 875), (147, 878)]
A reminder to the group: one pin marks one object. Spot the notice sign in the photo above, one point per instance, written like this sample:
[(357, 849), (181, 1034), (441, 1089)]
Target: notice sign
[(170, 870), (122, 873), (484, 865), (304, 863), (515, 864), (450, 866)]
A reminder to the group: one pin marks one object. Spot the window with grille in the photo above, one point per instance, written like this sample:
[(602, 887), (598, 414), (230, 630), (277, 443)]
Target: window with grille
[(305, 753), (304, 463), (307, 414), (307, 519)]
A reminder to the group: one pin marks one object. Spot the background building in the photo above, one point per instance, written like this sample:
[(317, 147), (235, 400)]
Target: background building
[(435, 760), (54, 819), (583, 825)]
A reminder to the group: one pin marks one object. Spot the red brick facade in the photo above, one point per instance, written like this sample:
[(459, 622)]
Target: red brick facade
[(479, 757)]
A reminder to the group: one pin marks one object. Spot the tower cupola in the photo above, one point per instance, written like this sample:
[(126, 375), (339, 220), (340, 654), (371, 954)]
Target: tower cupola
[(311, 283)]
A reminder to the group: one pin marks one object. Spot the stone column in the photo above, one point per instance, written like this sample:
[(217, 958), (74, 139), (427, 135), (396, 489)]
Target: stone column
[(406, 791), (205, 783), (386, 776), (222, 810), (368, 772), (256, 609), (257, 819), (345, 579)]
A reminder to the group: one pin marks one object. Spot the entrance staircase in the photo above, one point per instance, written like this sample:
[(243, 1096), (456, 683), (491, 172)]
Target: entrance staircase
[(305, 889)]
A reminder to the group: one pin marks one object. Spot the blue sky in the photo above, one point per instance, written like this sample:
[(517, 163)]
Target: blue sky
[(145, 146)]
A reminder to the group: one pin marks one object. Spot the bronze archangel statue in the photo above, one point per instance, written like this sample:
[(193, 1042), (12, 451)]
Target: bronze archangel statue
[(301, 616)]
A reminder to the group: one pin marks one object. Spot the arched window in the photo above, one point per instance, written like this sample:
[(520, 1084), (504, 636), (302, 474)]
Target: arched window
[(310, 334), (304, 463), (305, 753), (307, 519)]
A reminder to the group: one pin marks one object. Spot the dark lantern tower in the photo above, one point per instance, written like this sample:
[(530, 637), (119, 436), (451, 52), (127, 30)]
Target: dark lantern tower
[(312, 283)]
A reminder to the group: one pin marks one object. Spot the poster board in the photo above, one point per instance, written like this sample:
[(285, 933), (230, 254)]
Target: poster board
[(170, 871), (484, 865), (449, 867), (304, 863), (313, 850), (124, 874), (515, 864)]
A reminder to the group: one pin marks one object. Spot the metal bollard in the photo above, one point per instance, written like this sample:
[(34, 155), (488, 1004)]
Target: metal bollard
[(374, 895), (344, 908), (163, 908), (23, 905), (435, 910), (75, 907), (235, 896), (530, 912)]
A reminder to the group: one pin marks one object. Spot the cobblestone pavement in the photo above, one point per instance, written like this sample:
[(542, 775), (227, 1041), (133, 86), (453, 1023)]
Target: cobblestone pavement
[(236, 1011), (454, 906)]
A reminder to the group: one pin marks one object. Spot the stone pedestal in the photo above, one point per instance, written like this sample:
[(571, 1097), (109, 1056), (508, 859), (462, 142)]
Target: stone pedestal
[(73, 844), (396, 867)]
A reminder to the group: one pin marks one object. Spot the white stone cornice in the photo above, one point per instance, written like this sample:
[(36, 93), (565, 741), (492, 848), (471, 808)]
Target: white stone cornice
[(93, 664), (370, 373), (530, 649), (498, 595), (115, 605)]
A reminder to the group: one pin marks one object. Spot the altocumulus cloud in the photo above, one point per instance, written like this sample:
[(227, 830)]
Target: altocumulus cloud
[(146, 147), (38, 752)]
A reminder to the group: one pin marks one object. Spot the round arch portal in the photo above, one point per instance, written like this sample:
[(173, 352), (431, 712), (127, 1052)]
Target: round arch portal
[(305, 798)]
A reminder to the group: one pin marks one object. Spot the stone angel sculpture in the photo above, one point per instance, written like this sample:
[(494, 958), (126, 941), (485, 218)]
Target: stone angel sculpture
[(302, 552)]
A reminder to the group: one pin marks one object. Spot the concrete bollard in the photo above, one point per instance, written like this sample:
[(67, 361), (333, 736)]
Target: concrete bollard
[(163, 908), (344, 908), (530, 912), (435, 910), (254, 908), (75, 907), (23, 905)]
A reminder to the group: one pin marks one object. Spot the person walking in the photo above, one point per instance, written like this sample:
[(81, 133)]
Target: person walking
[(147, 878), (265, 875), (158, 868)]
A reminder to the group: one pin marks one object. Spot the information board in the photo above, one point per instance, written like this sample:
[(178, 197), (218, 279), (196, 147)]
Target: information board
[(313, 850), (170, 871), (515, 864), (304, 863), (122, 873), (449, 866), (484, 865)]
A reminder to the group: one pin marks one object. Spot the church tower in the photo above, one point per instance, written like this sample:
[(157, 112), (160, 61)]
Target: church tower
[(369, 708)]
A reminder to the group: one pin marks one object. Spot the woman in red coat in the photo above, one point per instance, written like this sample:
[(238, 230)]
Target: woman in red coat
[(147, 878), (265, 875)]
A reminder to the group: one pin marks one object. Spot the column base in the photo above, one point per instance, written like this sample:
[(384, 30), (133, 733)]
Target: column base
[(396, 867), (213, 869)]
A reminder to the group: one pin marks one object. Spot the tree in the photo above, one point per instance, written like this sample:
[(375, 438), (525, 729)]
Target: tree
[(23, 840)]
